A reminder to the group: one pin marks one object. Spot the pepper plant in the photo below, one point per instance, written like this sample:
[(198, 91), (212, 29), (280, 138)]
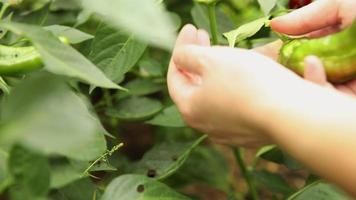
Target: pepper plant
[(85, 113)]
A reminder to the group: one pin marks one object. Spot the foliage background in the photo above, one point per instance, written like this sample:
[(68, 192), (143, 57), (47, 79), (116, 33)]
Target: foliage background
[(70, 132)]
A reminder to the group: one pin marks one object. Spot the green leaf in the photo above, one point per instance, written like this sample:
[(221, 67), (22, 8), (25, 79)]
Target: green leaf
[(83, 189), (64, 172), (83, 17), (205, 166), (137, 187), (245, 31), (5, 178), (151, 68), (320, 191), (140, 87), (165, 159), (60, 5), (30, 5), (43, 113), (274, 182), (274, 154), (115, 52), (60, 58), (135, 108), (169, 117), (147, 20), (30, 171), (73, 35), (267, 5)]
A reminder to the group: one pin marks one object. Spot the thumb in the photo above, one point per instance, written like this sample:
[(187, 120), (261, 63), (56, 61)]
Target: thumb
[(315, 16)]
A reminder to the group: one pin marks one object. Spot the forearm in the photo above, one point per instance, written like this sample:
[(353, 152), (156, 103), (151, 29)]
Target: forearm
[(318, 127)]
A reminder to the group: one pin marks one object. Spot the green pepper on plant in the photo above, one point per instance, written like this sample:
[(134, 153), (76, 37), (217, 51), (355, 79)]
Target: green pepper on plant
[(337, 53)]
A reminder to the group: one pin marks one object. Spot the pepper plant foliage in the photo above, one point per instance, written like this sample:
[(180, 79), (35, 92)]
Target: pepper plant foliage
[(96, 122)]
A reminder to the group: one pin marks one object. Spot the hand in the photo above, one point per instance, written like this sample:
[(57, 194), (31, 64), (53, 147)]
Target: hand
[(314, 72), (226, 92), (319, 18)]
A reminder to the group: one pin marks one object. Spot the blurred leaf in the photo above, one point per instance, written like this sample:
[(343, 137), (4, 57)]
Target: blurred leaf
[(83, 189), (30, 171), (74, 36), (53, 120), (83, 17), (206, 166), (32, 5), (274, 182), (319, 191), (151, 68), (5, 178), (134, 15), (115, 52), (37, 17), (274, 154), (135, 108), (165, 159), (137, 187), (245, 31), (60, 58), (267, 5), (140, 87), (64, 172), (3, 31), (169, 117), (57, 5)]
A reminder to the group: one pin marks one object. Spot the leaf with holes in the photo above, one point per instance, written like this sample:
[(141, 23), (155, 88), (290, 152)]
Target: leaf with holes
[(164, 159), (136, 187)]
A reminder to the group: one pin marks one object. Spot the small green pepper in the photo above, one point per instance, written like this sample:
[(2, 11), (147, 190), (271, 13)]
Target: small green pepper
[(19, 60), (337, 53)]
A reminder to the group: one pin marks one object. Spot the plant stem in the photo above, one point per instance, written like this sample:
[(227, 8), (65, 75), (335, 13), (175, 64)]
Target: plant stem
[(246, 174), (213, 23), (107, 153), (109, 103)]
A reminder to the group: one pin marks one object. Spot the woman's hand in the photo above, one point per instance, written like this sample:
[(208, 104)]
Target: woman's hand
[(319, 18), (314, 72), (226, 92)]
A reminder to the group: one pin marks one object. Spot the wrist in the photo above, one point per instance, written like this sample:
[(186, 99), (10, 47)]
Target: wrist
[(309, 112)]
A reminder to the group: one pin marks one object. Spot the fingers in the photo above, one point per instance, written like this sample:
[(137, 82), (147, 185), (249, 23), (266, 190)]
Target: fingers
[(325, 31), (344, 89), (188, 35), (189, 58), (352, 86), (317, 15), (203, 38), (270, 50), (181, 79), (314, 71)]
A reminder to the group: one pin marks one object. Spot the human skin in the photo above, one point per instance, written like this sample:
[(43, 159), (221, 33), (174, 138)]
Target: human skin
[(244, 98)]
